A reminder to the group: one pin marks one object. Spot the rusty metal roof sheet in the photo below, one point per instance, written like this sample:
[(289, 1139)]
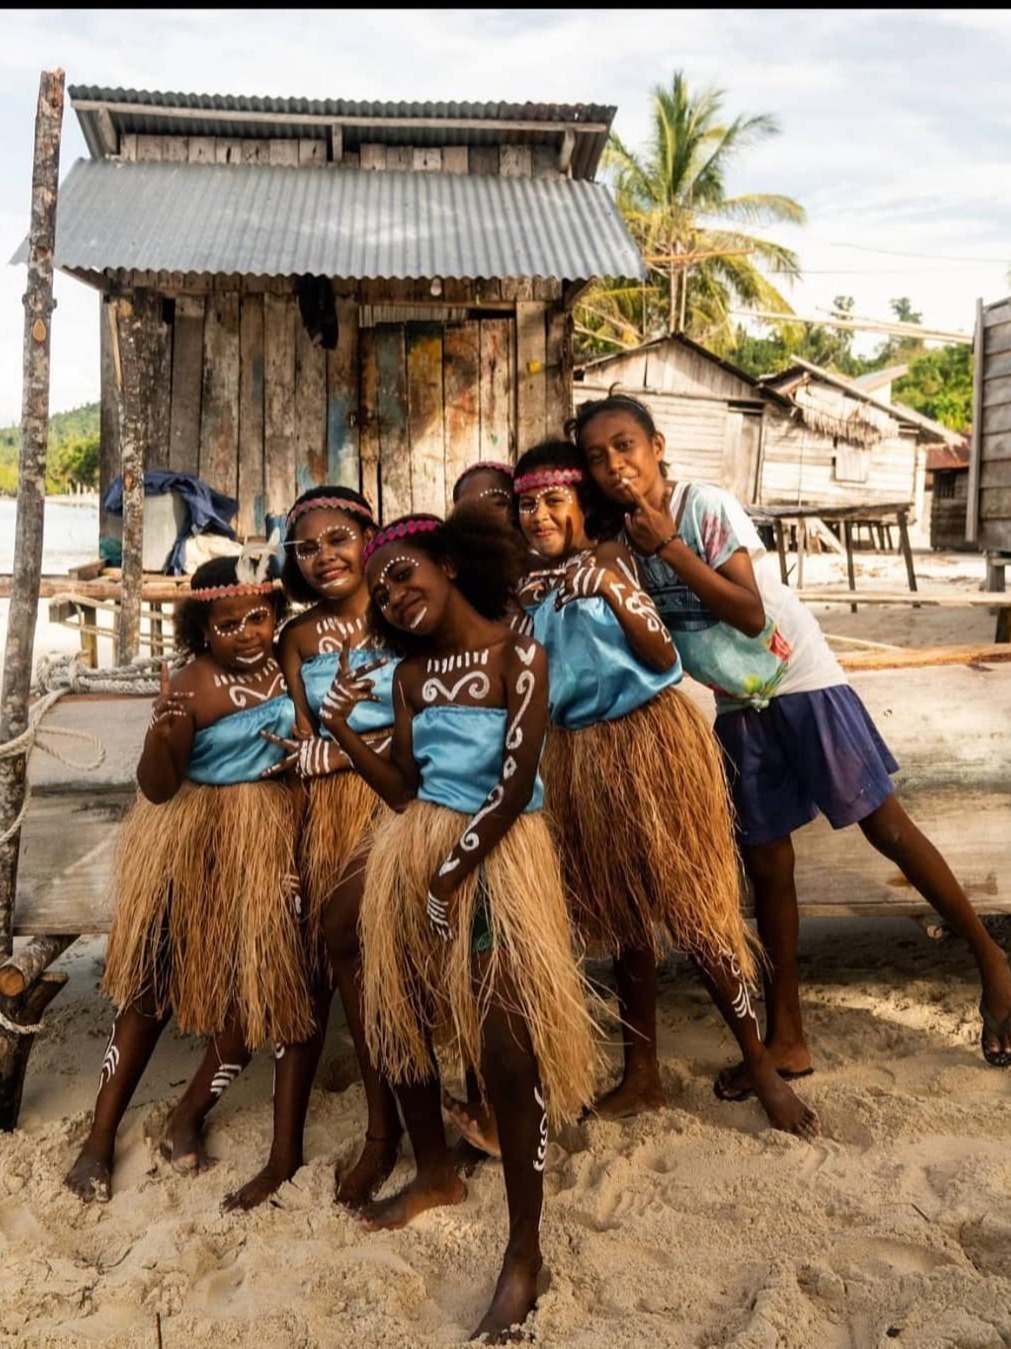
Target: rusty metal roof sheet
[(155, 113), (272, 220)]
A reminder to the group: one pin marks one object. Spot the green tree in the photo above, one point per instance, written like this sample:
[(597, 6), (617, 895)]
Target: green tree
[(831, 348), (673, 195), (939, 384)]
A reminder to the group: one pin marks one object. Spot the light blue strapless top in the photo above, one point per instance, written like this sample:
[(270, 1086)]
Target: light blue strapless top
[(318, 674), (233, 750), (459, 752), (594, 674)]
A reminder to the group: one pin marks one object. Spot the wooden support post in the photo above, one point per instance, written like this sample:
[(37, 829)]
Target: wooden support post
[(17, 669), (784, 574), (27, 570), (16, 1046), (850, 569), (907, 552), (135, 378)]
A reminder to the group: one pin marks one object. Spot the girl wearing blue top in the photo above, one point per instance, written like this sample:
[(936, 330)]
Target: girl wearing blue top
[(207, 924), (326, 530), (795, 735), (635, 786), (465, 935)]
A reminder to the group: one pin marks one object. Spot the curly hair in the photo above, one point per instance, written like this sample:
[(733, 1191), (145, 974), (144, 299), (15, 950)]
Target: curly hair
[(597, 510), (192, 617), (489, 557), (296, 587)]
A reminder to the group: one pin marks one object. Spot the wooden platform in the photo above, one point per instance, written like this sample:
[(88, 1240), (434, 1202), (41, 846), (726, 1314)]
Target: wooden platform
[(945, 718)]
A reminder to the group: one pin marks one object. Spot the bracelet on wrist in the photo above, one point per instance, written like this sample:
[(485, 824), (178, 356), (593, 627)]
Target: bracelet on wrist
[(664, 542)]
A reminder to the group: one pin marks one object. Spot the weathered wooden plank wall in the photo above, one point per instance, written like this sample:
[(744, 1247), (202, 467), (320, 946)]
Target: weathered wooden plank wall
[(397, 409), (992, 439)]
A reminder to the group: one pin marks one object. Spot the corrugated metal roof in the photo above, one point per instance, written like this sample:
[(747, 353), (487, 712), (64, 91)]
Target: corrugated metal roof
[(269, 220), (149, 112)]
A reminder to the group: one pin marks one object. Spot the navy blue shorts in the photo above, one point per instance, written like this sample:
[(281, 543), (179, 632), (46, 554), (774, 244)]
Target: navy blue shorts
[(803, 753)]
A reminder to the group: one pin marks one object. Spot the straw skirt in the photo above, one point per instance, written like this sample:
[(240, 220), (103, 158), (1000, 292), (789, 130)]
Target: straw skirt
[(641, 813), (416, 986), (208, 914)]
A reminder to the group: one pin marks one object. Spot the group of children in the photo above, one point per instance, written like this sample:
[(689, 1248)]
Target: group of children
[(462, 767)]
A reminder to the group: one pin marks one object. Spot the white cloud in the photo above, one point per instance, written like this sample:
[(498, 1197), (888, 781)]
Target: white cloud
[(893, 123)]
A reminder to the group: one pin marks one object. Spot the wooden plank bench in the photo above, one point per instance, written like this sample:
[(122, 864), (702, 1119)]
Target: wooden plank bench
[(944, 712), (946, 599)]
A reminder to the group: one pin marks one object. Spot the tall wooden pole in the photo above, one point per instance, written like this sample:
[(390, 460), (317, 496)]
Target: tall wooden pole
[(130, 349), (38, 302)]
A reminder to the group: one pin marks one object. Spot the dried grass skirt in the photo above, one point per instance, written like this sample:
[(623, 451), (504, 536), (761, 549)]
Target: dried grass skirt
[(207, 912), (416, 986), (642, 817)]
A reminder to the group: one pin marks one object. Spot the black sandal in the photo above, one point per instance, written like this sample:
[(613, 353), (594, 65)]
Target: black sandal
[(997, 1058)]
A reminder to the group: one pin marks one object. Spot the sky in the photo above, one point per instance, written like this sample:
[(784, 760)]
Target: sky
[(895, 125)]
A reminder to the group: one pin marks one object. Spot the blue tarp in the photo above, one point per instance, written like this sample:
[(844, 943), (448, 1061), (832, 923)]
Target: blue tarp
[(207, 511)]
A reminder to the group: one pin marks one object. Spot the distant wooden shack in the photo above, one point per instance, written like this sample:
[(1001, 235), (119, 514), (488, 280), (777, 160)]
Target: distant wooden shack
[(948, 483), (989, 483), (447, 241), (803, 437)]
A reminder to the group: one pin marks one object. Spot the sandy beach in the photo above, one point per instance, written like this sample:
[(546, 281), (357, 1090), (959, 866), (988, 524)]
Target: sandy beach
[(691, 1226)]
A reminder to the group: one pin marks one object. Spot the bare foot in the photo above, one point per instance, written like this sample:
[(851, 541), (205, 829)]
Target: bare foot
[(378, 1158), (784, 1107), (184, 1145), (514, 1300), (790, 1060), (420, 1195), (632, 1096), (261, 1187), (476, 1123), (90, 1178), (996, 981)]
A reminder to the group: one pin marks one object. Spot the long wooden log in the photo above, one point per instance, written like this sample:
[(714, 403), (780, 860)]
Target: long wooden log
[(38, 302), (15, 1047), (21, 970), (132, 439)]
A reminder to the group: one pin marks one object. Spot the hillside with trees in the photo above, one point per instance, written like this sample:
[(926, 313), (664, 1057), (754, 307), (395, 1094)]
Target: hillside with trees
[(72, 455)]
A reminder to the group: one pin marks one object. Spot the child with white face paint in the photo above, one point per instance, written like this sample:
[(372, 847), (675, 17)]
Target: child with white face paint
[(634, 785), (330, 642), (207, 924), (465, 936)]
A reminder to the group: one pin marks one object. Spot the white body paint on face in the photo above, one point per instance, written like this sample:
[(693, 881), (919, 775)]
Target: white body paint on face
[(419, 617), (253, 616)]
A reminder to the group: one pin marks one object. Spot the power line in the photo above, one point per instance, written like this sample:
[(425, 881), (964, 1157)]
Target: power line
[(932, 257)]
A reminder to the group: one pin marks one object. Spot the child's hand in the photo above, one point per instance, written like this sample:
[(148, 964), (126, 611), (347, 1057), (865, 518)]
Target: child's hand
[(581, 582), (168, 708), (648, 528), (349, 688), (304, 729), (312, 758), (441, 909)]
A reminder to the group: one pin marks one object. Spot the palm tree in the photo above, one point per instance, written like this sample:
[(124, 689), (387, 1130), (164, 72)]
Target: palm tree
[(673, 198)]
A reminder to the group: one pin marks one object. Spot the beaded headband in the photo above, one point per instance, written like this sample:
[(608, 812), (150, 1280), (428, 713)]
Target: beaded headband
[(328, 504), (402, 530), (549, 477), (227, 592)]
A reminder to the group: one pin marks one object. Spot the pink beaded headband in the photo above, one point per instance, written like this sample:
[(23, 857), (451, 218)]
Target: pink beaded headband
[(403, 529), (329, 504), (227, 592), (550, 477)]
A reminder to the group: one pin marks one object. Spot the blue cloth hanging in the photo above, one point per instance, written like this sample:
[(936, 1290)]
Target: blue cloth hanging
[(207, 511)]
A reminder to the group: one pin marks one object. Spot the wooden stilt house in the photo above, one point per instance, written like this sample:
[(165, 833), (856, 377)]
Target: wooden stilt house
[(374, 294)]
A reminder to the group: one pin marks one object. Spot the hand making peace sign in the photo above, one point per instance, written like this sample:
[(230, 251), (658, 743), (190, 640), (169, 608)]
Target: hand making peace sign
[(168, 707), (649, 529), (349, 688)]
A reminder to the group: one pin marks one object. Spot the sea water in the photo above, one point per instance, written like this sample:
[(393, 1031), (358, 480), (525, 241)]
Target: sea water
[(69, 537)]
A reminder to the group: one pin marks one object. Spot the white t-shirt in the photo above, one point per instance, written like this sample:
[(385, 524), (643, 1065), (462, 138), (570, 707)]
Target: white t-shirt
[(789, 655)]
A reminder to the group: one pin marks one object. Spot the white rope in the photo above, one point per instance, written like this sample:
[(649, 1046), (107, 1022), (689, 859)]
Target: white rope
[(16, 1028)]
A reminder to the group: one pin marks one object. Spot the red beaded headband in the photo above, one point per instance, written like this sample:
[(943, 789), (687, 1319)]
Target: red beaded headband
[(550, 477), (402, 530), (328, 504), (227, 592)]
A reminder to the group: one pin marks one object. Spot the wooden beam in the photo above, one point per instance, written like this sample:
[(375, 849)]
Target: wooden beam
[(326, 119), (28, 529), (107, 132), (136, 379), (567, 147), (972, 505)]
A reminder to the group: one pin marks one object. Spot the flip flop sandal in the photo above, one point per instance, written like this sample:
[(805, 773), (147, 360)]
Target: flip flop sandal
[(746, 1093), (997, 1058)]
